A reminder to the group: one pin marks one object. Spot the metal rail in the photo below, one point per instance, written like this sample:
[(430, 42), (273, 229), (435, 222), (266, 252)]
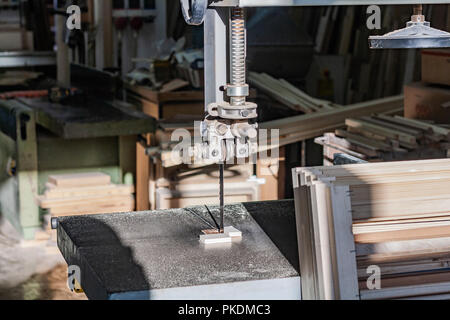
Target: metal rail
[(295, 3)]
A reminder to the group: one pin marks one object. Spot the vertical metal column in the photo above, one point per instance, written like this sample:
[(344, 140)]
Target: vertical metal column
[(215, 26), (237, 52), (215, 55), (104, 35)]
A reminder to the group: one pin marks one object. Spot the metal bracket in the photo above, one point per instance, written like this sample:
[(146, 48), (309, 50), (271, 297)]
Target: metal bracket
[(413, 36)]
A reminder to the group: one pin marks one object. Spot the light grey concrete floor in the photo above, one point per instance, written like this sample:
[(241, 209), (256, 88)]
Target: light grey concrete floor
[(31, 269)]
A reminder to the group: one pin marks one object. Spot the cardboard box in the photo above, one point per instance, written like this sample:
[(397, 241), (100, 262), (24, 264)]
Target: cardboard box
[(436, 66), (427, 102)]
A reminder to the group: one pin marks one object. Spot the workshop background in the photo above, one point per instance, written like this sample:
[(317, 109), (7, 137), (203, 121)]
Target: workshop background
[(86, 115)]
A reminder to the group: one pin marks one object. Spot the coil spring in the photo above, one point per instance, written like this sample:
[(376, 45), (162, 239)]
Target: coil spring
[(237, 51)]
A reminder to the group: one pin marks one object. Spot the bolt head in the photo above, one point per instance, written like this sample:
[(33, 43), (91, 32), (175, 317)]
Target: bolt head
[(252, 133), (222, 129), (54, 223)]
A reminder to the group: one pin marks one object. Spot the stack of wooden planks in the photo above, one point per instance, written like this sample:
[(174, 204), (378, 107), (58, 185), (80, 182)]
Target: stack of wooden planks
[(185, 186), (289, 95), (389, 219), (167, 104), (85, 193), (386, 138), (308, 126)]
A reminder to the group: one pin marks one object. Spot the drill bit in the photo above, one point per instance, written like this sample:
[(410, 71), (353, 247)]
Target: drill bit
[(221, 196)]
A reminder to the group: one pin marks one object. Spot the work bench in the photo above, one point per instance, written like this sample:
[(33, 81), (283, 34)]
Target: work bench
[(39, 138), (158, 255)]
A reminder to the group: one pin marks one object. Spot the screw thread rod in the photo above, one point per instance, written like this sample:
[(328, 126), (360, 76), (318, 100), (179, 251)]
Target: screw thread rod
[(418, 9), (238, 51)]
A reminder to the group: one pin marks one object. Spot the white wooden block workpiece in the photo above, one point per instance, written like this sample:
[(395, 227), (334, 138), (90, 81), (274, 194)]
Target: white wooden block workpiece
[(227, 236), (215, 238), (232, 232)]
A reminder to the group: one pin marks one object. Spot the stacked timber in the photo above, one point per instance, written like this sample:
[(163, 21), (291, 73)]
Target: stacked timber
[(374, 231), (167, 103), (185, 186), (386, 138), (308, 126), (85, 193), (289, 95)]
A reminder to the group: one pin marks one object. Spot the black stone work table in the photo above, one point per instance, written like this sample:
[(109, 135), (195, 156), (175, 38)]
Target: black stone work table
[(157, 254)]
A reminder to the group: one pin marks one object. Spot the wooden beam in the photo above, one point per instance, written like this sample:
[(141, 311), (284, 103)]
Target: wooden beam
[(314, 122)]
